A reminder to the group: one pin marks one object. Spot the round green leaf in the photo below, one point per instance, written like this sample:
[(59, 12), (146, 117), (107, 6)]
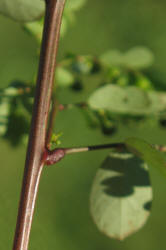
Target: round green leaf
[(112, 58), (64, 77), (121, 195), (157, 101), (148, 153), (127, 100), (138, 57), (22, 10), (117, 99)]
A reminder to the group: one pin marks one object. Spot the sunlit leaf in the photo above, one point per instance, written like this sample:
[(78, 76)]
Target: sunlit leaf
[(148, 153), (35, 28), (22, 10), (112, 58), (121, 195), (117, 99), (127, 100), (63, 77), (138, 57)]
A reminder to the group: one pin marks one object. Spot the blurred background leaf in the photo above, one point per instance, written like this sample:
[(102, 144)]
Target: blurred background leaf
[(22, 10), (64, 190)]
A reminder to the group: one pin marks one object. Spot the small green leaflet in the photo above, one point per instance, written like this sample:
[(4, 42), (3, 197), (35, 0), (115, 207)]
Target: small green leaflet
[(148, 153), (22, 10), (121, 195)]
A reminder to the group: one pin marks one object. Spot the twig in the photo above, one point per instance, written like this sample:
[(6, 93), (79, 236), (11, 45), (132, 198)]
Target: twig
[(118, 146), (54, 156), (37, 140)]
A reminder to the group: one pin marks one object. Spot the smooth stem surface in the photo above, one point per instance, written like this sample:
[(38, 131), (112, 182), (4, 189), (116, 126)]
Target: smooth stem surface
[(118, 146), (36, 146)]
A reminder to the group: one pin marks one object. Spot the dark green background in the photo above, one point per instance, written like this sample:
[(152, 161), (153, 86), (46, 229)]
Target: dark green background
[(62, 219)]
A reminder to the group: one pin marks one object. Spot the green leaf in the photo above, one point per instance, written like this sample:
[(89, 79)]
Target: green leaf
[(148, 153), (63, 77), (55, 141), (35, 28), (112, 58), (117, 99), (121, 195), (138, 58), (22, 10), (74, 5), (17, 115), (127, 100)]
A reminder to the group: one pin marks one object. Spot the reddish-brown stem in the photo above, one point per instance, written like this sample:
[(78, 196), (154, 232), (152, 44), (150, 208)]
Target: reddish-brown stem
[(37, 140), (54, 156)]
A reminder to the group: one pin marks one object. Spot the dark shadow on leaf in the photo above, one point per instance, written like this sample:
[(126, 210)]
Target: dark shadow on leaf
[(17, 125), (148, 205), (115, 186), (127, 176)]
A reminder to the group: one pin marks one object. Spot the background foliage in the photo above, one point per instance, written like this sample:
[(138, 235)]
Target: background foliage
[(99, 27)]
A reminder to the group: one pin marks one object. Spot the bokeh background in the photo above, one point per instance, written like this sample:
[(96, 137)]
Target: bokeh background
[(62, 219)]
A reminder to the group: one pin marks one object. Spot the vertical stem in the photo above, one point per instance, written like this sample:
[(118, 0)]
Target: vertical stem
[(37, 140)]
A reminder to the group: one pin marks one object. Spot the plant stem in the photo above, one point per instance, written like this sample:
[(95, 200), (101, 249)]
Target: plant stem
[(62, 107), (119, 146), (54, 156), (37, 140)]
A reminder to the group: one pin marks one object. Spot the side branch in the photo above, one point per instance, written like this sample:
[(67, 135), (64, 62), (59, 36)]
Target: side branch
[(118, 146), (54, 156), (37, 140)]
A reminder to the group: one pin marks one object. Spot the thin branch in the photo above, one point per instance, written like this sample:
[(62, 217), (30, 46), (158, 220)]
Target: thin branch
[(118, 146), (54, 156), (37, 140)]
